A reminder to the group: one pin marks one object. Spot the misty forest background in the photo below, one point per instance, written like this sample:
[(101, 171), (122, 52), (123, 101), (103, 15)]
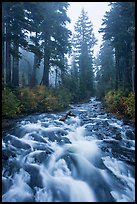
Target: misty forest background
[(45, 66)]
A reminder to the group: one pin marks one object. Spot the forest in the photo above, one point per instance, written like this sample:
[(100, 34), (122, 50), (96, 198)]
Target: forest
[(45, 66), (68, 115)]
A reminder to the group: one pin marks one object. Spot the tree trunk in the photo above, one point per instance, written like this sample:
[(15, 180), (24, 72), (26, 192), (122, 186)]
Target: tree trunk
[(15, 68), (33, 76), (45, 78), (62, 76), (3, 48), (128, 69), (117, 69), (8, 54), (56, 77), (133, 67)]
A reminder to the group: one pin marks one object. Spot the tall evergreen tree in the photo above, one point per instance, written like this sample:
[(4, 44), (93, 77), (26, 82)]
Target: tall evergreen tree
[(3, 44), (118, 25), (55, 36), (6, 18), (35, 40), (83, 33), (14, 37), (105, 75), (83, 43), (19, 40), (74, 69), (48, 22)]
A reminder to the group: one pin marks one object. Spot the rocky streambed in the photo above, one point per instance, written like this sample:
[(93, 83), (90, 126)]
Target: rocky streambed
[(88, 158)]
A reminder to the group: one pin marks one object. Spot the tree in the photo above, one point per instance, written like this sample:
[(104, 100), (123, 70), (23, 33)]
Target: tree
[(38, 54), (83, 42), (118, 25), (14, 37), (85, 72), (19, 37), (74, 70), (3, 44), (49, 38), (34, 45), (6, 18), (105, 76), (55, 36)]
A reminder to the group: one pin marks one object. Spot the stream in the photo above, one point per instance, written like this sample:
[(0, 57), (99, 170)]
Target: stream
[(88, 158)]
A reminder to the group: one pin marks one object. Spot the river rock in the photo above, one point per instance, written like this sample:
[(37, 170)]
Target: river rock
[(35, 176), (16, 142), (130, 135), (90, 159), (6, 184)]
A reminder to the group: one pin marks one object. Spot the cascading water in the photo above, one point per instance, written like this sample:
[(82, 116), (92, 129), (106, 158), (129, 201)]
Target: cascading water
[(87, 158)]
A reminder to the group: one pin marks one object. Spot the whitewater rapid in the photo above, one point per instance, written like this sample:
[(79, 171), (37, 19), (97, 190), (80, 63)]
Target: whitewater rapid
[(88, 158)]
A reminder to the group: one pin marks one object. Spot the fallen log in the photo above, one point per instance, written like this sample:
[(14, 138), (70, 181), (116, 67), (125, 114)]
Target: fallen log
[(63, 118)]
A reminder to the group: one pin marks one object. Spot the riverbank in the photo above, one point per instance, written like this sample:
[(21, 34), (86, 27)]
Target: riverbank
[(119, 116), (8, 123)]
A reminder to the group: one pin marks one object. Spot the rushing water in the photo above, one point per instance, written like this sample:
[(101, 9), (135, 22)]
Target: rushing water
[(89, 158)]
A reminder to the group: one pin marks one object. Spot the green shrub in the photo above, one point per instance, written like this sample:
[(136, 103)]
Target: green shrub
[(130, 105), (43, 99), (51, 103), (10, 104), (27, 99), (31, 100), (120, 103), (64, 97)]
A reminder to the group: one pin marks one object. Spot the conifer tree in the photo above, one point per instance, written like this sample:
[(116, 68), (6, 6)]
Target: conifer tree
[(105, 72), (119, 28), (83, 43), (55, 36)]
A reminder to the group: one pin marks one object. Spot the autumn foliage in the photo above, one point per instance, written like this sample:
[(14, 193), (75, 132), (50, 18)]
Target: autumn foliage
[(31, 100), (119, 103)]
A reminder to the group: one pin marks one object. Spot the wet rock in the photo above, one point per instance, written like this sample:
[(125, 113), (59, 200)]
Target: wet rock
[(35, 176), (11, 165), (37, 137), (127, 121), (89, 127), (95, 128), (16, 142), (100, 136), (128, 143), (112, 142), (101, 113), (8, 123), (41, 146), (105, 123), (6, 153), (38, 157), (57, 135), (125, 154), (6, 184), (64, 140), (118, 136), (115, 132), (130, 135), (118, 151)]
